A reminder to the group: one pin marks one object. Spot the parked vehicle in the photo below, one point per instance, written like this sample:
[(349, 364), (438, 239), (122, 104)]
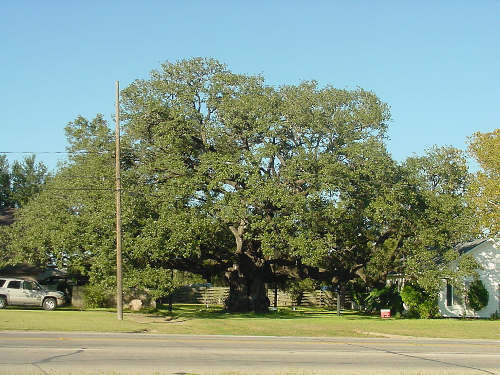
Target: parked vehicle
[(19, 292)]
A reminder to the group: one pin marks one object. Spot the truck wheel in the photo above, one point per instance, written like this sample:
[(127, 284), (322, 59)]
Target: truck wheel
[(3, 302), (49, 303)]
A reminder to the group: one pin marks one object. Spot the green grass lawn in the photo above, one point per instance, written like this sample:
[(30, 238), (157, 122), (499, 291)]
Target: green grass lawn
[(196, 319)]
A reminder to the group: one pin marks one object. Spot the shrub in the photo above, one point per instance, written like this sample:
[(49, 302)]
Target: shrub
[(359, 293), (95, 296), (359, 298), (419, 303), (384, 298), (477, 295), (412, 295), (428, 309)]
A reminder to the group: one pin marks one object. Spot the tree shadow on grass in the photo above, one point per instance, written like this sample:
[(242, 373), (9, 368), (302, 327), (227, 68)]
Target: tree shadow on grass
[(183, 312), (217, 312)]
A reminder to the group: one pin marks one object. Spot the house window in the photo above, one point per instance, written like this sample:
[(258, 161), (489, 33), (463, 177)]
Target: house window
[(449, 295), (452, 297)]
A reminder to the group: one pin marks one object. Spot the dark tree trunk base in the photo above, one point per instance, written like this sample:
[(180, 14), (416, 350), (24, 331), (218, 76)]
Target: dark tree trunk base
[(247, 292)]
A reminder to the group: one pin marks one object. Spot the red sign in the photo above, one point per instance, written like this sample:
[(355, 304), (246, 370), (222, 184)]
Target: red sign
[(385, 313)]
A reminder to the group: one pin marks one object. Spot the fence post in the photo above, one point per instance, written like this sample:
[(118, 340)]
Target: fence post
[(338, 303)]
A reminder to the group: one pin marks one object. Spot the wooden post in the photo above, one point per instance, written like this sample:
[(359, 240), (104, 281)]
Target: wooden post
[(338, 303), (170, 296), (119, 282), (276, 295)]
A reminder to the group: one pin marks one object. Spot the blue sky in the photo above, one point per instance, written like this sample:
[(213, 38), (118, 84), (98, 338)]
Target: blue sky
[(436, 63)]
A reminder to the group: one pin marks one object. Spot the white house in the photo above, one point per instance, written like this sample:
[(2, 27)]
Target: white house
[(487, 254)]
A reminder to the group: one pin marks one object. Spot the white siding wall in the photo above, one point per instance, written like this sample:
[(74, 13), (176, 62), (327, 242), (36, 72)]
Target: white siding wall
[(488, 255)]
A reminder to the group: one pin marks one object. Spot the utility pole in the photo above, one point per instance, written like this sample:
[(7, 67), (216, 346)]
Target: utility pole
[(119, 283)]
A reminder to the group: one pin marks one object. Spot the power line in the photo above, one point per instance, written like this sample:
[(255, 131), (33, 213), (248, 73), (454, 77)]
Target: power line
[(78, 189), (88, 177), (56, 152)]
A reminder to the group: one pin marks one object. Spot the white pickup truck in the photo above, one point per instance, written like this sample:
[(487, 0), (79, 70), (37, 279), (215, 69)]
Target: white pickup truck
[(21, 292)]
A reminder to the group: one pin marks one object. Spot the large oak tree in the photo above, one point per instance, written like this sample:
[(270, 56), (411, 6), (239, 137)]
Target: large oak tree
[(225, 175), (263, 163)]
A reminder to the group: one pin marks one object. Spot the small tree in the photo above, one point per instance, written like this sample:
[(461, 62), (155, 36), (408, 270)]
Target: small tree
[(5, 191), (27, 179), (477, 295), (484, 193)]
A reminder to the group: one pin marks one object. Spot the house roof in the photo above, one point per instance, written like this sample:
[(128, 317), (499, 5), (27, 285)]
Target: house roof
[(24, 270), (465, 247)]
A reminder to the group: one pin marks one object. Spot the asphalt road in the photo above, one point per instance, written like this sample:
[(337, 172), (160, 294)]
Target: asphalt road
[(84, 353)]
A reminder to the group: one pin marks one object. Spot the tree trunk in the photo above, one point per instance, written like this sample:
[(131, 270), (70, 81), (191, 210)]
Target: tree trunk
[(247, 277), (247, 288)]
